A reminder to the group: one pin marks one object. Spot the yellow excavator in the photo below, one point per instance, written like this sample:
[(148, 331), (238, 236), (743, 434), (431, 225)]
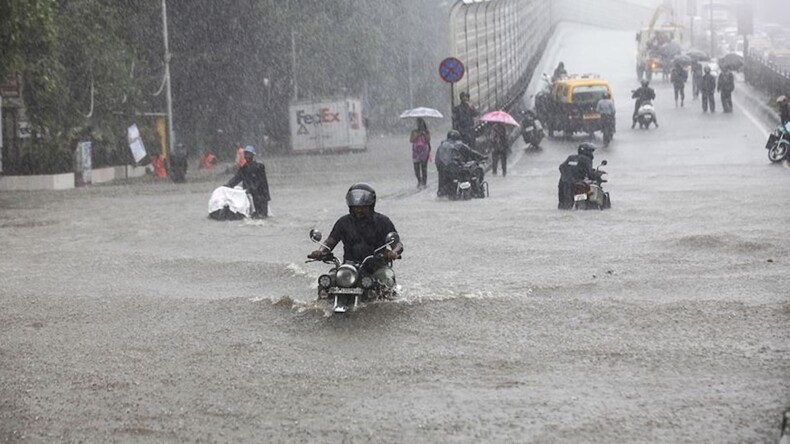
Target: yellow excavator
[(653, 42)]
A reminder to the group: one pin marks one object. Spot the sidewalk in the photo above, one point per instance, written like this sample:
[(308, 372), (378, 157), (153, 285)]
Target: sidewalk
[(757, 101)]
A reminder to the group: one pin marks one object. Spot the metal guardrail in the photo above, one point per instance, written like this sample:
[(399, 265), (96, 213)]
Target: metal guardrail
[(767, 76)]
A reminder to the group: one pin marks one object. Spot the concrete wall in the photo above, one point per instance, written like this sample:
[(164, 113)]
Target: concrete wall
[(43, 182), (67, 180)]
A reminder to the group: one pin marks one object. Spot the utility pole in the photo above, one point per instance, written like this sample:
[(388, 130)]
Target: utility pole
[(293, 65), (170, 134), (712, 38)]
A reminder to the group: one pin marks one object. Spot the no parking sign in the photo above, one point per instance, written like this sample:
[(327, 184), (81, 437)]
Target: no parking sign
[(451, 70)]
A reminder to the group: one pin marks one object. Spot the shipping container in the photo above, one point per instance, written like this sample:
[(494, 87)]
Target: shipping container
[(327, 126)]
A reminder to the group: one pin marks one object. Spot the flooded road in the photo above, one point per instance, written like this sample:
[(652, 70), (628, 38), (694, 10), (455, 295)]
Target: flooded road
[(127, 315)]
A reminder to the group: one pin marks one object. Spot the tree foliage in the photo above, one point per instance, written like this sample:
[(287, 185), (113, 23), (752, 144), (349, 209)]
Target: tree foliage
[(90, 67)]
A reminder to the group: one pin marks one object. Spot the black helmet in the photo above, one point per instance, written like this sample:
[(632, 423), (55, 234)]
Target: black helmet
[(453, 135), (361, 195), (645, 82), (464, 94), (587, 149)]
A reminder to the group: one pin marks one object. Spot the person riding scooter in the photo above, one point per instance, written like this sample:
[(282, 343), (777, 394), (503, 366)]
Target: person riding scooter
[(531, 128), (451, 158), (605, 107), (642, 95), (576, 168)]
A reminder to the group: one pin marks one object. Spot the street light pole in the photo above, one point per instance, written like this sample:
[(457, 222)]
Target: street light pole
[(712, 44), (170, 134)]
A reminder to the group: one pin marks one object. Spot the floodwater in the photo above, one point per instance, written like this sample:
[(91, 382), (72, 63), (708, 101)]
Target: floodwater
[(127, 315)]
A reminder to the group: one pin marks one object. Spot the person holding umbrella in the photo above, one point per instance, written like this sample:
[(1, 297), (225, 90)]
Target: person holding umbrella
[(420, 139), (500, 147), (726, 85)]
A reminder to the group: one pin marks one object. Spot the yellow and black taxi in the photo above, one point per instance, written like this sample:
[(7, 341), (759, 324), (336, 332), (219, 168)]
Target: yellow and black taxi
[(569, 104)]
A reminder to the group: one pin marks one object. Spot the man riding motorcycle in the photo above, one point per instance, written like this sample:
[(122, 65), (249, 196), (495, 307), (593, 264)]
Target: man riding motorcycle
[(576, 168), (643, 94), (362, 230), (451, 158)]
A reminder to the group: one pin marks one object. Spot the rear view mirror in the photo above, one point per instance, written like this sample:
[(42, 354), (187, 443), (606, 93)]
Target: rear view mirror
[(392, 238), (603, 163), (315, 235)]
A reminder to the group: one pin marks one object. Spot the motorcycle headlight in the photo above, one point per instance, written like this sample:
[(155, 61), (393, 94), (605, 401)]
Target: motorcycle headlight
[(324, 281), (366, 282), (346, 276)]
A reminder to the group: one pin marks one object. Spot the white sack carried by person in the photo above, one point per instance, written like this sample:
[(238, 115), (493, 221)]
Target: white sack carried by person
[(229, 204)]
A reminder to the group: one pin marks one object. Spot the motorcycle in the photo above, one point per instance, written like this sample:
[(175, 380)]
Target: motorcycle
[(350, 284), (531, 130), (470, 182), (646, 115), (589, 195), (778, 144)]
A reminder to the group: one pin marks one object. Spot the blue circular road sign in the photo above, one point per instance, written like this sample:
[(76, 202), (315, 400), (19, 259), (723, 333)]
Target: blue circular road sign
[(451, 70)]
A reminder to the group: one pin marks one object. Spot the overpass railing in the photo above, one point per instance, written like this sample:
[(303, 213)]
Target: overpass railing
[(767, 76), (497, 40), (501, 41)]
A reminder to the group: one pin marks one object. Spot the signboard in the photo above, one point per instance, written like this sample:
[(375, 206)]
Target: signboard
[(328, 125), (10, 88), (82, 162), (23, 130), (135, 143), (451, 70)]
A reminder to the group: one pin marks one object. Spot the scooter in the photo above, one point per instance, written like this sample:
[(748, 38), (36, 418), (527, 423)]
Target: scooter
[(470, 182), (778, 144), (351, 284), (531, 130), (589, 195), (646, 115)]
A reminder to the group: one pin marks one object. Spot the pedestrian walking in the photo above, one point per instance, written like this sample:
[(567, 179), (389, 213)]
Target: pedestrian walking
[(500, 147), (678, 77), (420, 139), (708, 89), (726, 85), (696, 78)]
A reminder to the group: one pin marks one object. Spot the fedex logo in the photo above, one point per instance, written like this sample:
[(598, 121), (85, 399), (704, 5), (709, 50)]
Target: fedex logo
[(324, 116)]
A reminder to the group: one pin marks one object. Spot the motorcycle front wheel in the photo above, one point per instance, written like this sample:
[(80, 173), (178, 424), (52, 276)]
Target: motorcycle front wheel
[(777, 152)]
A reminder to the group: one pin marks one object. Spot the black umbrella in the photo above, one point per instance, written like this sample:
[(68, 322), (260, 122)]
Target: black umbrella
[(682, 59), (671, 48), (731, 61), (698, 55)]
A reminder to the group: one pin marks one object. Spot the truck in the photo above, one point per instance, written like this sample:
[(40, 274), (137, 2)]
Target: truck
[(333, 125), (656, 44)]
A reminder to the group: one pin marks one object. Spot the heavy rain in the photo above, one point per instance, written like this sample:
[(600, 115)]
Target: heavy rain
[(653, 309)]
